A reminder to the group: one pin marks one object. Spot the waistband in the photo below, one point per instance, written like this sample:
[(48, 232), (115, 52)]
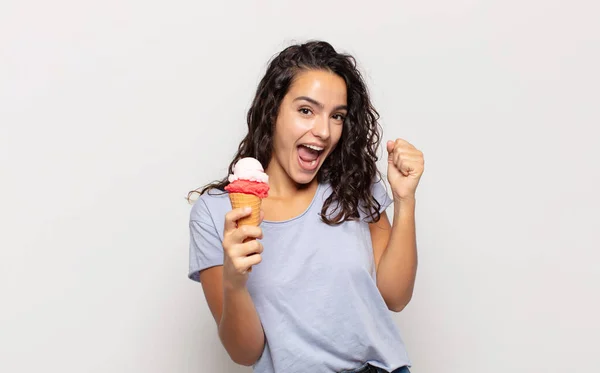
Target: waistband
[(368, 368)]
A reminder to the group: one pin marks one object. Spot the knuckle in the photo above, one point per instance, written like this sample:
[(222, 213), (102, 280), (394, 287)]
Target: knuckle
[(230, 252), (253, 231)]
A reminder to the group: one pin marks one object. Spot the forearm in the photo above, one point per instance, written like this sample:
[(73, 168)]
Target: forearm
[(240, 329), (398, 265)]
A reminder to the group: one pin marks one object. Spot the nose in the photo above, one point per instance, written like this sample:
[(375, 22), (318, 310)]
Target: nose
[(321, 128)]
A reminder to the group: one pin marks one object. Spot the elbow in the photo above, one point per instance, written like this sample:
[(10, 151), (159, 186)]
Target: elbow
[(399, 305), (243, 361), (243, 357), (246, 356), (397, 308)]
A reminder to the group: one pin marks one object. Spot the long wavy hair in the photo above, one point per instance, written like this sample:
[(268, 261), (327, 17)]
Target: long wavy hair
[(351, 168)]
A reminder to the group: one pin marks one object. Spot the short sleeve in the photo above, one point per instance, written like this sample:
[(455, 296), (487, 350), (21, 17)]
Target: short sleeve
[(381, 195), (206, 249), (379, 192)]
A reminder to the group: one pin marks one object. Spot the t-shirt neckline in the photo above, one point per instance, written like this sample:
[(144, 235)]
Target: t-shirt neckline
[(312, 202)]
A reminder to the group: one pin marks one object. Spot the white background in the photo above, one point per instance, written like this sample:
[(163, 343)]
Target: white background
[(111, 111)]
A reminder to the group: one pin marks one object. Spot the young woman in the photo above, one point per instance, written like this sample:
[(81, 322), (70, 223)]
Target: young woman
[(327, 265)]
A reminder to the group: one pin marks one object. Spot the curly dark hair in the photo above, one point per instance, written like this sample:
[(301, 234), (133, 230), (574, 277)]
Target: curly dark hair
[(351, 168)]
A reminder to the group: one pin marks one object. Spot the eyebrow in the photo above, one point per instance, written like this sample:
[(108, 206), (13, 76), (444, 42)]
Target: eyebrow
[(317, 103)]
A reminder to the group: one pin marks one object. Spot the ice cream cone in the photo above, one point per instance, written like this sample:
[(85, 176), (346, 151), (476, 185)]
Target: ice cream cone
[(239, 200), (247, 186)]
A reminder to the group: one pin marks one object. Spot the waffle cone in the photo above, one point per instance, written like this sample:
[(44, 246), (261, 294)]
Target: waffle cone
[(247, 200)]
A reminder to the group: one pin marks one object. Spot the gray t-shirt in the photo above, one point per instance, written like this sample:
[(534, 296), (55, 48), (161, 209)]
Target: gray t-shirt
[(314, 291)]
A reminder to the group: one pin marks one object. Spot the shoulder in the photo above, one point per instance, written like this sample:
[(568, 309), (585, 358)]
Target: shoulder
[(211, 207), (379, 191)]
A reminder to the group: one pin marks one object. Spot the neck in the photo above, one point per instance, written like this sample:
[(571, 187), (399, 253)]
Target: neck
[(282, 186)]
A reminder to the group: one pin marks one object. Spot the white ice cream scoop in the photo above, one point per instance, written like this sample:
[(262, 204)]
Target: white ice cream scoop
[(249, 169)]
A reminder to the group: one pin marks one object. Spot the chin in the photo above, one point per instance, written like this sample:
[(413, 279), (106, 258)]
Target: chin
[(303, 179), (302, 176)]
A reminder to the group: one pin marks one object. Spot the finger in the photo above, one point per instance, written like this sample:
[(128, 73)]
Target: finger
[(406, 168), (234, 215), (244, 264), (249, 248), (402, 151), (401, 165), (262, 216), (245, 232), (409, 153), (250, 261), (411, 158), (390, 146), (403, 143), (407, 149)]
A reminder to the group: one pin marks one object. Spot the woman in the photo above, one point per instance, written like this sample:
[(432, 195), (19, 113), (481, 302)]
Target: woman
[(327, 265)]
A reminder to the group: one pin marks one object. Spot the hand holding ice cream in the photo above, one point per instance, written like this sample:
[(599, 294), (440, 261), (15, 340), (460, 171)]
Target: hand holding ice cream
[(248, 185)]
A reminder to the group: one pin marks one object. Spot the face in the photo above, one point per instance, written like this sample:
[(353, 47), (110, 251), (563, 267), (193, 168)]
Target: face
[(309, 125)]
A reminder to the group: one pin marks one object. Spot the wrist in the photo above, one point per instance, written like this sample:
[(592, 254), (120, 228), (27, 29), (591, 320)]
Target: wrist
[(405, 201), (403, 206), (233, 287)]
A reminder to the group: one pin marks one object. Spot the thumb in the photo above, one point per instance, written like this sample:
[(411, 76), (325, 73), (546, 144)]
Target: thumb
[(390, 149)]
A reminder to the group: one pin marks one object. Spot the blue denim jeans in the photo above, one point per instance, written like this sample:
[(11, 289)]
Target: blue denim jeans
[(368, 368)]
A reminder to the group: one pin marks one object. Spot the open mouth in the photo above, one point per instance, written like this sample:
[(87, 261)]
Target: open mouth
[(309, 156)]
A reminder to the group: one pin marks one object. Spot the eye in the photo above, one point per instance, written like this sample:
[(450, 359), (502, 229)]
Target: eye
[(305, 111), (339, 117)]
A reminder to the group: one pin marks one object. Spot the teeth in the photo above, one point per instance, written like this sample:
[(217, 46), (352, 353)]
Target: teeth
[(313, 147)]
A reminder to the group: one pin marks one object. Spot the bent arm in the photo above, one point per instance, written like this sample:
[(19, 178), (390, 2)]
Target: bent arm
[(239, 326), (395, 253)]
